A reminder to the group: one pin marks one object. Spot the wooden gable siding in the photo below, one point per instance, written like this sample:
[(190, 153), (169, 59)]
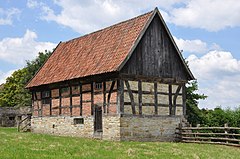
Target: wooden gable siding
[(156, 56)]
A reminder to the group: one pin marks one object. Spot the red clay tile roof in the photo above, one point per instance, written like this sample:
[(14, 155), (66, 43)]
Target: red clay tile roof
[(95, 53)]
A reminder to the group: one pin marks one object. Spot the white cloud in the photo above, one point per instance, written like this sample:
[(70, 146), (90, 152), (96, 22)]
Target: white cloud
[(218, 74), (87, 16), (195, 46), (7, 15), (211, 15), (4, 75), (18, 50)]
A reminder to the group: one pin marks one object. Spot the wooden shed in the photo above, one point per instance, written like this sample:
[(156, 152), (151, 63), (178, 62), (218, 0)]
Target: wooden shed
[(124, 82)]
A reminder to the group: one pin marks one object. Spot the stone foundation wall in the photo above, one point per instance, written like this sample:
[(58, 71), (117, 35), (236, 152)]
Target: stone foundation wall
[(158, 128), (63, 126), (126, 128), (111, 128)]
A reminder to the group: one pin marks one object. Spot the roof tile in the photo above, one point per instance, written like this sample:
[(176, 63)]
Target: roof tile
[(99, 52)]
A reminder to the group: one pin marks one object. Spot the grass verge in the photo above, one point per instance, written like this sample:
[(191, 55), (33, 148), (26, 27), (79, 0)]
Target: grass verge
[(14, 145)]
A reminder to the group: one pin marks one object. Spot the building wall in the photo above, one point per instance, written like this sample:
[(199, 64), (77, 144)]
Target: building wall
[(42, 109), (147, 126), (148, 98), (126, 128), (136, 128), (63, 126)]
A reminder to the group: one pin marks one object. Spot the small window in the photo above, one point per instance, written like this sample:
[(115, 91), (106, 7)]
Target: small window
[(78, 121), (46, 94), (65, 91), (75, 89), (98, 85), (11, 118)]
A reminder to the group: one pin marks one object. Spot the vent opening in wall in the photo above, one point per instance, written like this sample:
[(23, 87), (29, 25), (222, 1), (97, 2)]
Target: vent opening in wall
[(78, 121)]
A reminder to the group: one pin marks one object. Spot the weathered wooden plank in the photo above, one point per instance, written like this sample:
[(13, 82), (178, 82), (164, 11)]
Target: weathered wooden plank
[(104, 97), (131, 97), (140, 96), (81, 99), (156, 55), (92, 98), (170, 98), (175, 98), (109, 95), (155, 98)]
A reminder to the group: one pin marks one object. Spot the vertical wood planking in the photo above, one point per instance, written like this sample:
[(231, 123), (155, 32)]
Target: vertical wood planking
[(80, 96), (156, 55), (92, 98), (131, 97), (184, 99), (104, 97), (170, 98), (140, 96), (60, 101), (70, 95), (156, 97)]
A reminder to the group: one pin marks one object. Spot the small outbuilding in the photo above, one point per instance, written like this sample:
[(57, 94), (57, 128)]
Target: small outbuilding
[(124, 82)]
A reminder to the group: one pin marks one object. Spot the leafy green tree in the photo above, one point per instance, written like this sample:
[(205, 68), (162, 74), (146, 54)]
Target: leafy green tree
[(13, 92), (194, 114)]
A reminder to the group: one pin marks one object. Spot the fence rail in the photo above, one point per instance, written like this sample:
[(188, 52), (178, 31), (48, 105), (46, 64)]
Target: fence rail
[(210, 135)]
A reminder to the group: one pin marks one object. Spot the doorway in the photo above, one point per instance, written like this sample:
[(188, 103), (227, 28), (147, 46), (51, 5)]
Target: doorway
[(98, 119)]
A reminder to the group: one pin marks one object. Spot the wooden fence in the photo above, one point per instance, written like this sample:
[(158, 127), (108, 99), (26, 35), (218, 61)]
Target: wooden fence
[(210, 135)]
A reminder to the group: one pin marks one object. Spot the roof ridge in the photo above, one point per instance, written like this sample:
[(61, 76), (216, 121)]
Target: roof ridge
[(108, 27)]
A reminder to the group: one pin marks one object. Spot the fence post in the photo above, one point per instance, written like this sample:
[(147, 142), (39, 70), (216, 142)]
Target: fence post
[(226, 131)]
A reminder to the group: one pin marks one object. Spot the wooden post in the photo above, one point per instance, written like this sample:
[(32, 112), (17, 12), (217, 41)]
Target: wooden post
[(109, 95), (121, 98), (131, 97), (60, 101), (104, 97), (175, 99), (170, 98), (184, 99), (70, 96), (155, 98), (80, 95), (226, 131), (140, 96), (41, 104), (50, 98), (36, 98), (92, 99)]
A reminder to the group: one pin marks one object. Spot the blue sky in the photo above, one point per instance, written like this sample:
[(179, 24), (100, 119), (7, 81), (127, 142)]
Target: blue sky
[(208, 32)]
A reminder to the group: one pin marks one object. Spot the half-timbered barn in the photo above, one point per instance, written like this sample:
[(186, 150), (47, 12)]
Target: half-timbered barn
[(124, 82)]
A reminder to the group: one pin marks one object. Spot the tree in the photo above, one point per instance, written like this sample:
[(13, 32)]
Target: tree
[(194, 114), (13, 92)]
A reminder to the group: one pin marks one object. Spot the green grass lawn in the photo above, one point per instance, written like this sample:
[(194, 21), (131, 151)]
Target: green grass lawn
[(28, 145)]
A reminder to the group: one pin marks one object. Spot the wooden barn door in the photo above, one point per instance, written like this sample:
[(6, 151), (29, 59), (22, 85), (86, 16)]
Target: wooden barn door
[(98, 119)]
